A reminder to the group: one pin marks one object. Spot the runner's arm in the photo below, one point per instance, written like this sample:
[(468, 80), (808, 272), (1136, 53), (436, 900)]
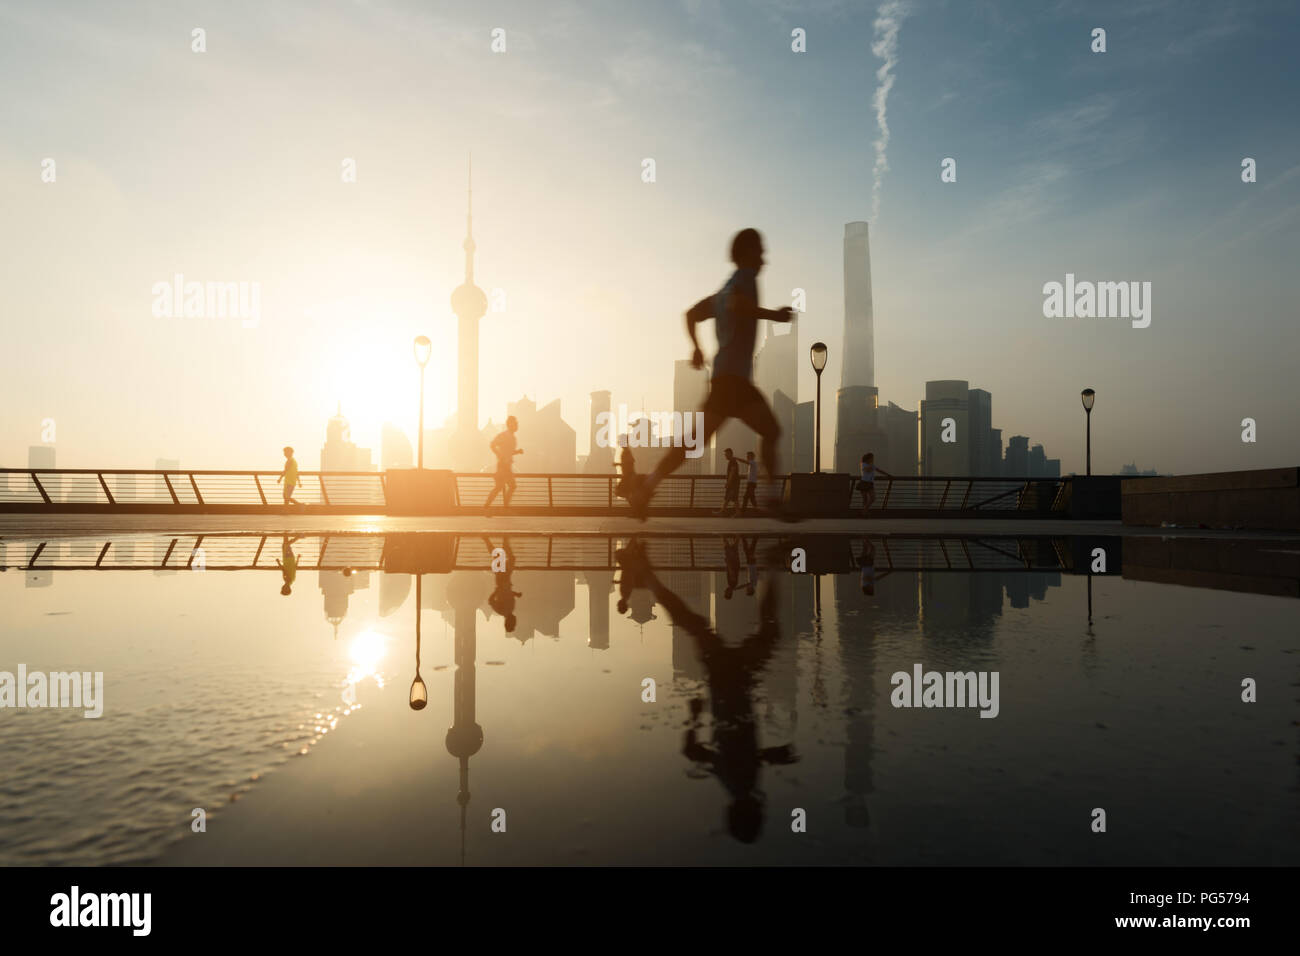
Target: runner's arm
[(696, 314), (745, 306)]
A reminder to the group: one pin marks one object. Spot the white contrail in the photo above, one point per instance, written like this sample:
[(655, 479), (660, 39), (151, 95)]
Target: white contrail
[(889, 19)]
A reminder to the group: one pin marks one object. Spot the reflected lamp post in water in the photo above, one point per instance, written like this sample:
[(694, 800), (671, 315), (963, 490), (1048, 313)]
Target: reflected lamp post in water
[(423, 349), (419, 693), (818, 355), (1088, 396)]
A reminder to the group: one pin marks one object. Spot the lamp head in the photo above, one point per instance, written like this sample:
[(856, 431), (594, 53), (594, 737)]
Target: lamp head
[(423, 349), (1088, 396), (818, 355)]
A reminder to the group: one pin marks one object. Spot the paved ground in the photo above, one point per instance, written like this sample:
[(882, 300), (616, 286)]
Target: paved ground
[(20, 527)]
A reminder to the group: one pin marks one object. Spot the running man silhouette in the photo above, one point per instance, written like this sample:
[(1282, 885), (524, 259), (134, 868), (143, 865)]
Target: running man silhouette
[(732, 394), (503, 446), (503, 595), (289, 476), (734, 757)]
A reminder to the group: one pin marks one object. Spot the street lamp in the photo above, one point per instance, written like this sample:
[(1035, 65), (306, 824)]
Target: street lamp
[(423, 349), (419, 695), (818, 355), (1089, 396)]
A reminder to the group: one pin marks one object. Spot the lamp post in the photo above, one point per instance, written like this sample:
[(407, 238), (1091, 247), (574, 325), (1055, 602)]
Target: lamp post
[(1088, 396), (419, 695), (818, 355), (423, 349)]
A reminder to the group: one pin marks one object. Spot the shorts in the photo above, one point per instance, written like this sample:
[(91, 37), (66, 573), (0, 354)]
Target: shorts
[(731, 396), (867, 486)]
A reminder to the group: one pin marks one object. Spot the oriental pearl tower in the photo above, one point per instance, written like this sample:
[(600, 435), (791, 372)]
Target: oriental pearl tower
[(468, 301)]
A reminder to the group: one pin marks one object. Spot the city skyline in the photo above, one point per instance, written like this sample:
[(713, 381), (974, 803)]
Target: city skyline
[(1077, 179)]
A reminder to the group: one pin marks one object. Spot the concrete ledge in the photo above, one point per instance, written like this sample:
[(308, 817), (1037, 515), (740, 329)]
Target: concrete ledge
[(1215, 481), (1268, 499)]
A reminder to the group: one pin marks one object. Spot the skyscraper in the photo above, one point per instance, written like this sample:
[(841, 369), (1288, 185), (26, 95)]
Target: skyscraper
[(945, 414), (468, 301), (600, 461), (856, 429)]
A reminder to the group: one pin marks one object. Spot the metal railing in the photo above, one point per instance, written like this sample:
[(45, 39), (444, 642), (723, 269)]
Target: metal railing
[(365, 492), (360, 551)]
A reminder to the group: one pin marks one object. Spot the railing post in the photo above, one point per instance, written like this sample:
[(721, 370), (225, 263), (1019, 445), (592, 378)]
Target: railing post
[(260, 493), (944, 499), (550, 494), (39, 488), (320, 478), (172, 491), (195, 485), (889, 486), (107, 494)]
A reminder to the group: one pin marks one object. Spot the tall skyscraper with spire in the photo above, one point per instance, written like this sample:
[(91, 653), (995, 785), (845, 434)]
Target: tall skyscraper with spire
[(469, 302), (856, 428)]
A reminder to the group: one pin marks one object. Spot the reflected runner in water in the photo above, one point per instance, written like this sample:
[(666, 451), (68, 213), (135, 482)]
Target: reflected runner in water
[(288, 563), (502, 599), (734, 756)]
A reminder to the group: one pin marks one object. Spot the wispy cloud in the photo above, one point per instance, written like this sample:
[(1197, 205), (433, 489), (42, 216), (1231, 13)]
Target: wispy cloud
[(889, 20)]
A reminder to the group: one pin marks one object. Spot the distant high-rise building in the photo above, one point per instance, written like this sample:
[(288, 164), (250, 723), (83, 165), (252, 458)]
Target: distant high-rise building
[(395, 448), (898, 454), (550, 443), (805, 427), (776, 373), (600, 461), (946, 412), (1037, 462), (690, 388), (995, 453), (340, 453), (1016, 464), (980, 405), (856, 426)]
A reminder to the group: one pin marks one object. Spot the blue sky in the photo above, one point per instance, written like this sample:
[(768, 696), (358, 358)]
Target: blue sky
[(225, 166)]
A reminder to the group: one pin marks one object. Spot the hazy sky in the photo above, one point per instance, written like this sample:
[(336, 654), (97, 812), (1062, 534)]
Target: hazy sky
[(226, 166)]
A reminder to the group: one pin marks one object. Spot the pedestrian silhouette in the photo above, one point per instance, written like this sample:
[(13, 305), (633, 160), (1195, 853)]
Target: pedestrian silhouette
[(751, 482), (629, 480), (288, 563), (289, 476), (732, 394), (734, 756), (867, 480), (731, 485), (503, 446)]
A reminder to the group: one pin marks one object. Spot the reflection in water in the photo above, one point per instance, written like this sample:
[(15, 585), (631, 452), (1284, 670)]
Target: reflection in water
[(773, 684), (734, 755)]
